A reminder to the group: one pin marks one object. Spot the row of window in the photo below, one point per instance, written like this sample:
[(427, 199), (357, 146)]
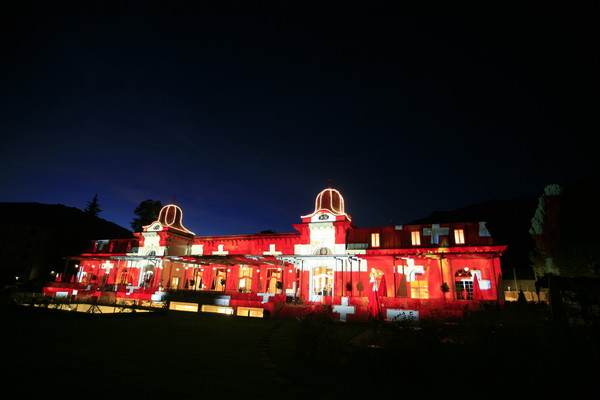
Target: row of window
[(99, 246), (415, 238)]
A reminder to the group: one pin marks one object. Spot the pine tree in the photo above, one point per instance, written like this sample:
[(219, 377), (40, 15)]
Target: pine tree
[(93, 207), (147, 212)]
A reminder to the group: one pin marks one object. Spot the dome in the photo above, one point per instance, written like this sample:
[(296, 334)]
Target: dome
[(329, 200), (170, 216)]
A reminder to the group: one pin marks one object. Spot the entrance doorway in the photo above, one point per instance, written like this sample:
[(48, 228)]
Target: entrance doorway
[(274, 284), (321, 283), (463, 284), (220, 279)]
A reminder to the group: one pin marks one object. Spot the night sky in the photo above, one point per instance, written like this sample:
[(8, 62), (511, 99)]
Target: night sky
[(243, 117)]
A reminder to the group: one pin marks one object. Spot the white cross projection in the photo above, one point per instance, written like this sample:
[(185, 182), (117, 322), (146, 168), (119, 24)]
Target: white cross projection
[(435, 232)]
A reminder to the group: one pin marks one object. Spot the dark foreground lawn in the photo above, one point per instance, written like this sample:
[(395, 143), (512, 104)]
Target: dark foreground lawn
[(177, 355)]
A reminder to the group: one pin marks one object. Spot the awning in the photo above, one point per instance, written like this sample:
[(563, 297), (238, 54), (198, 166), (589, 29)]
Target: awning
[(233, 259)]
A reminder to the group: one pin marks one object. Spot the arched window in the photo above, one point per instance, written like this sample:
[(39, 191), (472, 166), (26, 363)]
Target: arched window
[(323, 251), (463, 284)]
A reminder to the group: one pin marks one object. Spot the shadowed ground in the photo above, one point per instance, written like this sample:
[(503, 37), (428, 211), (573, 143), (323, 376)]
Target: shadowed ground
[(181, 355)]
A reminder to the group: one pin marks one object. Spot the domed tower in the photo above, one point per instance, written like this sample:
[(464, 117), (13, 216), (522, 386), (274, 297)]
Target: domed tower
[(166, 235), (323, 240), (170, 215), (324, 229), (169, 218)]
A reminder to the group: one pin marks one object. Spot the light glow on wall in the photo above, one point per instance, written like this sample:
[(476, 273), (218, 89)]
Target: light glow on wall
[(252, 312), (217, 309), (181, 306)]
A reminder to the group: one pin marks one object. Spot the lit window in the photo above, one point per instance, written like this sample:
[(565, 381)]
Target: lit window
[(464, 290), (419, 289), (374, 239), (459, 236), (415, 238)]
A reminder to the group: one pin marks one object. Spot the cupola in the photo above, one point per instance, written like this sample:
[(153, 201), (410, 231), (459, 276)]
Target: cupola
[(329, 201), (170, 216)]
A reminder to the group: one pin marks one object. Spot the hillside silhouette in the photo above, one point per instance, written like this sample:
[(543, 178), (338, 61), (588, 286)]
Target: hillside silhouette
[(36, 238)]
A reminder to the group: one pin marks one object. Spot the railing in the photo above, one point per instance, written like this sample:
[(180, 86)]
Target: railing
[(87, 304)]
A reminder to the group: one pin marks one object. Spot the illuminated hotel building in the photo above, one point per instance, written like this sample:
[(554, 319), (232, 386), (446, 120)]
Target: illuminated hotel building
[(355, 273)]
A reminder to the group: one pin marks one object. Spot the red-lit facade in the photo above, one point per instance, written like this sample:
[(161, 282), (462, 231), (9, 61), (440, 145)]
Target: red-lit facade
[(386, 272)]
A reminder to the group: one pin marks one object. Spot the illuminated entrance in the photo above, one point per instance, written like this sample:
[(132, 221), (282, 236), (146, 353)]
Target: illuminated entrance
[(464, 284), (274, 284), (321, 283), (148, 276)]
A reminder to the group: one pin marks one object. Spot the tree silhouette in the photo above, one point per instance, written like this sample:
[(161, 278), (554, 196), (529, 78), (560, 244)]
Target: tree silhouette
[(147, 212), (578, 254), (93, 207), (565, 230)]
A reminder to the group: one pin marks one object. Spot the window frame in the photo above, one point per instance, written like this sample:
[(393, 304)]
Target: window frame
[(415, 238), (375, 239), (459, 236)]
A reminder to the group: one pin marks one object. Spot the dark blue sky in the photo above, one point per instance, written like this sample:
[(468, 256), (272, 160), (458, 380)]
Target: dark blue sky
[(243, 119)]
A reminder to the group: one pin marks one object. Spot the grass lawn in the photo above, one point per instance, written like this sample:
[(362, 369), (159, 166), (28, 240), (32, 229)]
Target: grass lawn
[(180, 355), (175, 354)]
